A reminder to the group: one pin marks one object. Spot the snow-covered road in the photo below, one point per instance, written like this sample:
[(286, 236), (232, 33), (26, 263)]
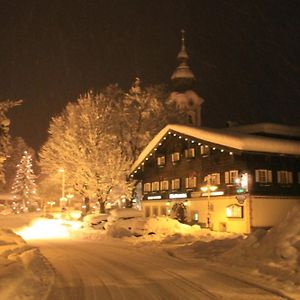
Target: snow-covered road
[(115, 269)]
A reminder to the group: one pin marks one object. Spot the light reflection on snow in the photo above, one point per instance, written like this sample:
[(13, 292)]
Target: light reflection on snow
[(49, 229)]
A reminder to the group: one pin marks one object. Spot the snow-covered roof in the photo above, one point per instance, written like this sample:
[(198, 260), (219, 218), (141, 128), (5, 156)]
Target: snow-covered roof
[(218, 137), (268, 128)]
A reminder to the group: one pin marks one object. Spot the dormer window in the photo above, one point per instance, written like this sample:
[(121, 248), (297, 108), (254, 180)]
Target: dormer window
[(175, 157), (161, 161), (189, 153)]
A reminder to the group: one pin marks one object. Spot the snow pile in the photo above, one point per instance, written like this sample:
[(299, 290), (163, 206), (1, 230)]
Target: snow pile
[(97, 221), (167, 226), (275, 252), (129, 222), (24, 272)]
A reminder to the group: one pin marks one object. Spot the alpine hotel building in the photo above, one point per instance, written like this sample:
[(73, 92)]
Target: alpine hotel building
[(234, 179)]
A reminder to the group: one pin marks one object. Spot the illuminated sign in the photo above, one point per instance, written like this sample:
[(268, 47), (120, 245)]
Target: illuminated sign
[(216, 193), (154, 197), (178, 196)]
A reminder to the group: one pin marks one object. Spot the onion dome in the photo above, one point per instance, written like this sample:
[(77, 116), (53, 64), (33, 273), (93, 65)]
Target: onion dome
[(183, 78)]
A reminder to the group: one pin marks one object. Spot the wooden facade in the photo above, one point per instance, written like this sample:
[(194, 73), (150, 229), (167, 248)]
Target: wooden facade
[(181, 164)]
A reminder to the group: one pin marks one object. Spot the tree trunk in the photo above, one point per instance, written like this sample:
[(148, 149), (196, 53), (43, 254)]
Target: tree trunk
[(102, 206)]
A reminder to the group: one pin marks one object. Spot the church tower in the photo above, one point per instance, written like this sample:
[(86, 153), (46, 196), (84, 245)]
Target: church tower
[(183, 83)]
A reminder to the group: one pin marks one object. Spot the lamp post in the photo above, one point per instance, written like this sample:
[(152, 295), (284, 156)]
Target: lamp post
[(62, 199), (208, 189)]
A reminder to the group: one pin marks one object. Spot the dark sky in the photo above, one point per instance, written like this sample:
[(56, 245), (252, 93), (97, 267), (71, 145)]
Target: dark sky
[(244, 53)]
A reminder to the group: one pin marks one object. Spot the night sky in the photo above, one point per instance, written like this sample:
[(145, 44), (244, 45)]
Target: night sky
[(244, 53)]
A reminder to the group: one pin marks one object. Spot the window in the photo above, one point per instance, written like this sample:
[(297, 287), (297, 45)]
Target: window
[(212, 178), (263, 176), (175, 157), (154, 211), (234, 211), (191, 182), (204, 150), (175, 184), (284, 177), (298, 177), (189, 153), (163, 211), (155, 186), (147, 211), (164, 185), (147, 187), (231, 176), (161, 161)]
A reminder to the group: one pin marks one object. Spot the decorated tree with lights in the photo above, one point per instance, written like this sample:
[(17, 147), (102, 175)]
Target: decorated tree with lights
[(24, 186)]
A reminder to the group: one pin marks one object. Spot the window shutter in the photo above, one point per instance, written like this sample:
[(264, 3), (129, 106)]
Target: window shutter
[(186, 153), (290, 177), (269, 176), (218, 178), (278, 177), (257, 175), (186, 182), (226, 177)]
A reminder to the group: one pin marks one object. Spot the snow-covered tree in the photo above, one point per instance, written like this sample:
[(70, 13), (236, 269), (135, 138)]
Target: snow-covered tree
[(16, 151), (24, 186), (97, 138), (4, 133), (81, 142)]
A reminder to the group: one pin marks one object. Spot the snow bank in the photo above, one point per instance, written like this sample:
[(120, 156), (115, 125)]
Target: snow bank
[(275, 252), (24, 272), (129, 222)]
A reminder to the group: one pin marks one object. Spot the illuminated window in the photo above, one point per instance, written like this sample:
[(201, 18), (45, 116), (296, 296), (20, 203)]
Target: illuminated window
[(155, 186), (175, 184), (161, 161), (189, 153), (163, 211), (263, 176), (191, 182), (204, 150), (175, 157), (164, 185), (154, 211), (147, 211), (196, 215), (212, 178), (284, 177), (147, 187), (234, 211), (231, 176)]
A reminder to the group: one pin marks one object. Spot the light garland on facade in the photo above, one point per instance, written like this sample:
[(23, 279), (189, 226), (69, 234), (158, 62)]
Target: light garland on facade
[(214, 148)]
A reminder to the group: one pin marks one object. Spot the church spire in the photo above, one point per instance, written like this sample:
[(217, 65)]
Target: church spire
[(183, 78), (183, 94)]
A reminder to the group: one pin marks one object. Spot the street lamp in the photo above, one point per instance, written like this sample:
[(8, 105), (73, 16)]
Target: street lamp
[(63, 198), (208, 189)]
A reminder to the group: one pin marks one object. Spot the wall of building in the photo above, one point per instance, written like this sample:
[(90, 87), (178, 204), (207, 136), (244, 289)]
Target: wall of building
[(269, 211)]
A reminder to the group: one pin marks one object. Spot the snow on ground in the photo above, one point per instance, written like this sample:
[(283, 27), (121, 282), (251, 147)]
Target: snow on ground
[(24, 272), (268, 259)]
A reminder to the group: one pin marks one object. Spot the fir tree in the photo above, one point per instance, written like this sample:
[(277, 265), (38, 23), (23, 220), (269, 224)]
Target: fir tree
[(24, 186)]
